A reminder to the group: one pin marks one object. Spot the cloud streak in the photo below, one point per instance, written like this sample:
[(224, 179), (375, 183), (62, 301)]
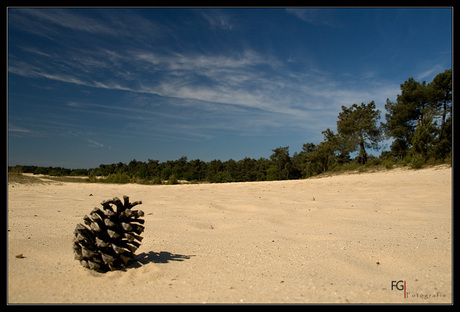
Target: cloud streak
[(94, 143), (49, 23), (218, 19), (67, 19), (13, 128), (314, 16)]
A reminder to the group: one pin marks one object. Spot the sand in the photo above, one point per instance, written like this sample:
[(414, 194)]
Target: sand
[(339, 239)]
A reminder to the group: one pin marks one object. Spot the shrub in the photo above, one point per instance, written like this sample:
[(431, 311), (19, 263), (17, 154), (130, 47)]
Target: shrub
[(156, 180), (388, 164), (417, 161), (118, 178), (172, 180), (272, 173), (222, 177), (92, 177)]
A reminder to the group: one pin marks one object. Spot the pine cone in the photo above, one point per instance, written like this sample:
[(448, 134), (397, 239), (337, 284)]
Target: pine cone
[(111, 236)]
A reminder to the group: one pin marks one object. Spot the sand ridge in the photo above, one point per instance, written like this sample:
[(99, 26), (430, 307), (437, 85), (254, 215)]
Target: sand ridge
[(338, 239)]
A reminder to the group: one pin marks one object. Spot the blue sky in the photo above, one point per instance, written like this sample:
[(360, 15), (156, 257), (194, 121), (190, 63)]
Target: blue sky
[(92, 86)]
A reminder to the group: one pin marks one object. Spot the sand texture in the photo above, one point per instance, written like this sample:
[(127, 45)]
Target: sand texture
[(338, 239)]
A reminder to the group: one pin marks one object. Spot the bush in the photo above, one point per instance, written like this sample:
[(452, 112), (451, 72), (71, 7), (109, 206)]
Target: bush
[(156, 180), (272, 173), (406, 160), (373, 162), (222, 177), (389, 163), (417, 161), (433, 162), (448, 159), (172, 180), (122, 178), (92, 176)]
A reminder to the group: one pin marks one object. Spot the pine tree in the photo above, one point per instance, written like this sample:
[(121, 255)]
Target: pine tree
[(358, 124)]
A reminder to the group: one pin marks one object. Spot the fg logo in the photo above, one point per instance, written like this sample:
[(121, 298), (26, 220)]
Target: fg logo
[(399, 285)]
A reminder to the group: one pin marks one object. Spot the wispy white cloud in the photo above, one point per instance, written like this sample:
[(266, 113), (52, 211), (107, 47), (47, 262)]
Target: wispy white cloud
[(272, 87), (67, 19), (429, 72), (314, 16), (131, 111), (33, 71), (204, 64), (13, 128), (94, 143), (89, 23), (218, 19), (36, 51), (248, 79)]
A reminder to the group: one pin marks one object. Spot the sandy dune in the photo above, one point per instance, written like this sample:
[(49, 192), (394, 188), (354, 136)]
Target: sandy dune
[(335, 239)]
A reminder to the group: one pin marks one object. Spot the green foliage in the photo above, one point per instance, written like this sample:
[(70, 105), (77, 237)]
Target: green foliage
[(172, 180), (121, 178), (388, 163), (424, 136), (221, 177), (272, 173), (52, 171), (282, 162), (417, 161), (156, 180), (92, 176)]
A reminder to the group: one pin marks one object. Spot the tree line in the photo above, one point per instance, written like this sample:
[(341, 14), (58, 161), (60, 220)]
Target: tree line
[(419, 122)]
